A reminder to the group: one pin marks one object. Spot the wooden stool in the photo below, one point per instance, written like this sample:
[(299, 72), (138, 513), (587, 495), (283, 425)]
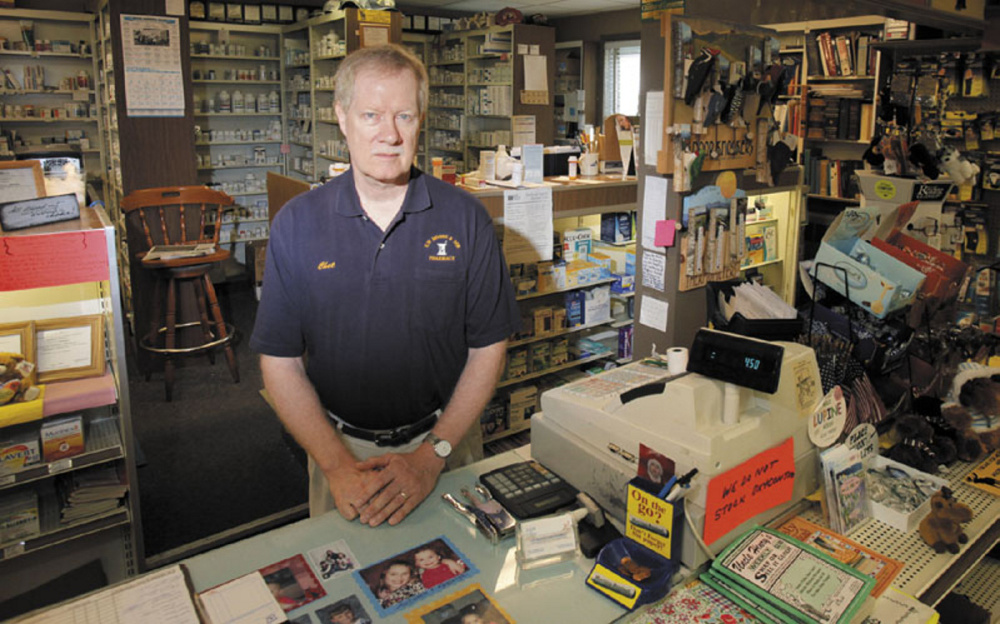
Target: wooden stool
[(182, 216)]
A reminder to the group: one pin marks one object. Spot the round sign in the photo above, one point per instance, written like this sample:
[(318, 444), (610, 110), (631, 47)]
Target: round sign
[(864, 439), (885, 189), (827, 422), (726, 181)]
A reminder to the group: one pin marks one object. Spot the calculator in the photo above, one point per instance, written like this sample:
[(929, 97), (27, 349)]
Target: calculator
[(528, 489)]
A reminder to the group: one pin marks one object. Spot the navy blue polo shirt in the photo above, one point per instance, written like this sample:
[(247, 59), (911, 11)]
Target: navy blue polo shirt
[(386, 318)]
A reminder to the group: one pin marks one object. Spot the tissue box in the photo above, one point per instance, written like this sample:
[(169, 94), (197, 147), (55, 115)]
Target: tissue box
[(906, 522), (945, 273), (876, 281)]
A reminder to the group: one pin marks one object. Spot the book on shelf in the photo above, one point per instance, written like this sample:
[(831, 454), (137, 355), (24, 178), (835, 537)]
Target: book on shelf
[(844, 55), (863, 62), (827, 52)]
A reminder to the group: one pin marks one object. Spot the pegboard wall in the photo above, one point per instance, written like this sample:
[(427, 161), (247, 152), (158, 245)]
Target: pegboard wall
[(922, 566)]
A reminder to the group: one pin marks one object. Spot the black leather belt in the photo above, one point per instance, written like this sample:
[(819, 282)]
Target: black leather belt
[(389, 437)]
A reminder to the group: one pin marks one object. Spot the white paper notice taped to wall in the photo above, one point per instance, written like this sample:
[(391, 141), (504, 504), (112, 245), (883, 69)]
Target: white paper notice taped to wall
[(653, 313)]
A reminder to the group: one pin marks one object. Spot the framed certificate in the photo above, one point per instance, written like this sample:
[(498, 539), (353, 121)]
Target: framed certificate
[(269, 13), (196, 10), (234, 12), (251, 13), (69, 348), (19, 338), (286, 13), (373, 35), (216, 12)]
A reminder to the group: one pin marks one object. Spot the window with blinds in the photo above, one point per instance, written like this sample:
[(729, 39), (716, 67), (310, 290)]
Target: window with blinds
[(621, 78)]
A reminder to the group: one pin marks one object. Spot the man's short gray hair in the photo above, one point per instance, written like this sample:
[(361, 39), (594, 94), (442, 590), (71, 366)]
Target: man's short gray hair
[(389, 59)]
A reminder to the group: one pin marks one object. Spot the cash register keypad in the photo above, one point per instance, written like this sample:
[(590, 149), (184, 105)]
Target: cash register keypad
[(528, 489)]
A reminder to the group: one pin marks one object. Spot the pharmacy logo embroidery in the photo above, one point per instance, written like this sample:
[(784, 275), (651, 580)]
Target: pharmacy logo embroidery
[(442, 247), (324, 265)]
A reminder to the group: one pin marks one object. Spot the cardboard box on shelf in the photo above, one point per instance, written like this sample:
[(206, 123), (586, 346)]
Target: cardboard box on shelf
[(622, 257), (62, 437), (560, 351), (540, 355), (541, 320), (494, 417), (616, 227), (517, 363), (19, 449), (523, 403), (19, 516), (577, 243)]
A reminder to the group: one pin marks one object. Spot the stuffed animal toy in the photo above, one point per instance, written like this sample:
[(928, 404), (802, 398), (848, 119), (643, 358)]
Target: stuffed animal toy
[(15, 379), (958, 168), (914, 448), (942, 528)]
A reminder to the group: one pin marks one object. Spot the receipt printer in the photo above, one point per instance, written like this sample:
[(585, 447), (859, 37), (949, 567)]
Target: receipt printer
[(739, 398)]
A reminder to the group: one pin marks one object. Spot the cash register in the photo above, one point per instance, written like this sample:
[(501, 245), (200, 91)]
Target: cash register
[(740, 396)]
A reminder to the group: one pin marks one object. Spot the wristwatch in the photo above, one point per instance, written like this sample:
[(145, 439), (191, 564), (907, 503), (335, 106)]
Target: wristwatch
[(442, 448)]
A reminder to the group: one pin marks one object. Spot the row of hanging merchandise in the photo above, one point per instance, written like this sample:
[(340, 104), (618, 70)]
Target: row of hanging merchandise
[(722, 92)]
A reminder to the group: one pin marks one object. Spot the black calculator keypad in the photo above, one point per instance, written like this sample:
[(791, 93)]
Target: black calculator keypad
[(528, 489)]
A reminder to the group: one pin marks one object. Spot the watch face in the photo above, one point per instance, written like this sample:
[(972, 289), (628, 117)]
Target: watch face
[(442, 448)]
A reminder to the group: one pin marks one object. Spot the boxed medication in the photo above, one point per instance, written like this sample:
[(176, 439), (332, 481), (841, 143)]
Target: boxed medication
[(622, 257), (602, 262), (19, 516), (517, 363), (541, 354), (616, 227), (523, 403), (541, 320), (494, 417), (558, 319), (577, 243), (597, 305), (574, 308), (560, 351), (19, 450), (623, 284), (62, 437)]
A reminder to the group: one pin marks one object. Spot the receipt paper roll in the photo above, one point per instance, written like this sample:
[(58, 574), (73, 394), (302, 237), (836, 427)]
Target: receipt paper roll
[(677, 360)]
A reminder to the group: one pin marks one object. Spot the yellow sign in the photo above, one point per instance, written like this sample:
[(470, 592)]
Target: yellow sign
[(375, 17), (650, 521), (614, 586), (885, 189)]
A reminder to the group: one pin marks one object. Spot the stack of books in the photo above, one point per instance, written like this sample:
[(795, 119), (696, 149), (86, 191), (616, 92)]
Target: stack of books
[(90, 493), (782, 580)]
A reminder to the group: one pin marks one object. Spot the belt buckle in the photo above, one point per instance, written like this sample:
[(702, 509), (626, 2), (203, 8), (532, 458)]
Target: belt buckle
[(395, 437)]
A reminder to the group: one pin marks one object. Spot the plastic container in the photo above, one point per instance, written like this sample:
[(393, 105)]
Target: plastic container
[(608, 578)]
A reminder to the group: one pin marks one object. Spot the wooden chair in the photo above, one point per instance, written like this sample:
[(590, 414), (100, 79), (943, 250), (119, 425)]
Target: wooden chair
[(183, 215)]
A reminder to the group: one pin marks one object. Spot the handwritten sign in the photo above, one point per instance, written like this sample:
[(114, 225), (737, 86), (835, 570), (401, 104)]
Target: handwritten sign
[(21, 179), (753, 487), (31, 212), (52, 259)]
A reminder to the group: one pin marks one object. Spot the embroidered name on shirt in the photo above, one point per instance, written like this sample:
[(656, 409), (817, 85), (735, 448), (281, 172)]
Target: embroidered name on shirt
[(442, 247), (322, 266)]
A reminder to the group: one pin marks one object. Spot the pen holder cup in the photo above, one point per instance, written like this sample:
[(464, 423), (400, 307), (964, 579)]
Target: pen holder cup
[(652, 521), (588, 164), (630, 574)]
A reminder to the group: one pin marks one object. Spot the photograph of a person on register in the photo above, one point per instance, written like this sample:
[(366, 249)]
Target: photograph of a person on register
[(436, 307)]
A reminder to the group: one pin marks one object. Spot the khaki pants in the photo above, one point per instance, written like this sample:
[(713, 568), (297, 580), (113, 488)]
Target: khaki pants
[(469, 450)]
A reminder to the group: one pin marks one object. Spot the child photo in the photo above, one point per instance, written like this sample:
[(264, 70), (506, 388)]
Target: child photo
[(332, 559), (292, 582), (400, 580), (469, 606), (346, 611)]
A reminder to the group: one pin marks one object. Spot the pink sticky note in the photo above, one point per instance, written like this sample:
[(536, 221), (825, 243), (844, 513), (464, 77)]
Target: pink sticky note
[(665, 231)]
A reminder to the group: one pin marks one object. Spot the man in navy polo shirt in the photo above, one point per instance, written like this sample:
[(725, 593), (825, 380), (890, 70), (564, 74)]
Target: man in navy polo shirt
[(386, 306)]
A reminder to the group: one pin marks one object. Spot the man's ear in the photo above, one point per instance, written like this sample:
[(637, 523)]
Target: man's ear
[(341, 113)]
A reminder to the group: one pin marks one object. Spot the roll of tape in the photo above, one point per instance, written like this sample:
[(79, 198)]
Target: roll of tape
[(677, 360)]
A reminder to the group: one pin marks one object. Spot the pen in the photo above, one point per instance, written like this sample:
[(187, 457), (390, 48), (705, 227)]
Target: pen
[(681, 485), (666, 488)]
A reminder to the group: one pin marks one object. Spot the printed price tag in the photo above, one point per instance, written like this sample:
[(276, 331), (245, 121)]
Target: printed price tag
[(60, 466), (13, 550), (7, 480)]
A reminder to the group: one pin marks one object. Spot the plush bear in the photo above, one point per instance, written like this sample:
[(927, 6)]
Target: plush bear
[(15, 379), (919, 446), (958, 168), (942, 528)]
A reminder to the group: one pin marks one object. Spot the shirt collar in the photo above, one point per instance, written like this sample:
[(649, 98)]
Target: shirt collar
[(417, 197)]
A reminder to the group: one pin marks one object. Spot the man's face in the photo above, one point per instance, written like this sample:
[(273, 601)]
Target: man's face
[(382, 125)]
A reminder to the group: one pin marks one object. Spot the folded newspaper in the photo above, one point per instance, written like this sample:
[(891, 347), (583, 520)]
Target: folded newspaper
[(172, 252), (780, 579)]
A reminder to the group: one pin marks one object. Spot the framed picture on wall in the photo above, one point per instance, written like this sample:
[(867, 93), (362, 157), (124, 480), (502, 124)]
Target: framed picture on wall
[(234, 12), (269, 13), (69, 348), (373, 35), (216, 11), (251, 14)]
